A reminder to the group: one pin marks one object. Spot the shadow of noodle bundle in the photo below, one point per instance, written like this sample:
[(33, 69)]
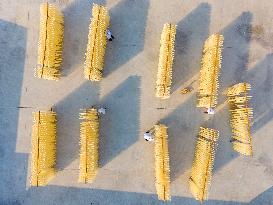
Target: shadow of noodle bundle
[(50, 42), (89, 143), (166, 56), (203, 163), (96, 43), (240, 115), (43, 147), (210, 68), (162, 168)]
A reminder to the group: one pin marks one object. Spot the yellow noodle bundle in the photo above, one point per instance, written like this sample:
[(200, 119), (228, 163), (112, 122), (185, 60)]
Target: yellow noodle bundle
[(210, 68), (166, 56), (96, 43), (43, 147), (203, 163), (162, 168), (89, 143), (240, 115), (50, 42)]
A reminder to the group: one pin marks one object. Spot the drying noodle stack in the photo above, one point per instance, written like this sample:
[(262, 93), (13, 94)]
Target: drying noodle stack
[(43, 147), (240, 115), (162, 168), (50, 42), (89, 143), (96, 43), (210, 68), (166, 56), (203, 163)]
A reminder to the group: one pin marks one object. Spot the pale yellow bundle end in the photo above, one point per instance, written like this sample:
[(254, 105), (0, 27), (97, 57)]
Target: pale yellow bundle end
[(89, 143), (96, 43), (240, 115), (162, 167), (166, 56), (50, 42), (43, 148), (209, 72), (203, 163)]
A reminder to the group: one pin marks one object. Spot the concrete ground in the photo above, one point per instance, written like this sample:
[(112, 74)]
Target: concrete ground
[(126, 174)]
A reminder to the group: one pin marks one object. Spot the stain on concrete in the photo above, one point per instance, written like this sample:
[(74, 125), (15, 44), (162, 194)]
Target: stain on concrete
[(264, 38), (266, 161)]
